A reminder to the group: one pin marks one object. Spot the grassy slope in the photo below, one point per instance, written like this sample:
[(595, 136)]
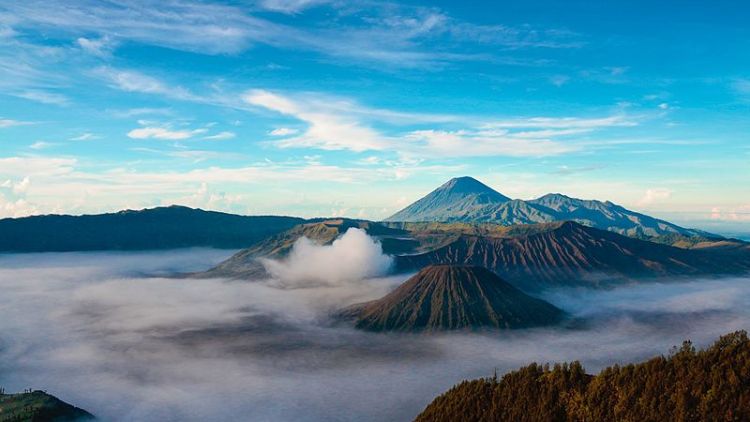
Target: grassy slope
[(38, 406)]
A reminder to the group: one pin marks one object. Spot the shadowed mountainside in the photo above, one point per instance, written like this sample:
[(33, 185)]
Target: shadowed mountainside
[(453, 297), (38, 406), (709, 385), (570, 254), (155, 228)]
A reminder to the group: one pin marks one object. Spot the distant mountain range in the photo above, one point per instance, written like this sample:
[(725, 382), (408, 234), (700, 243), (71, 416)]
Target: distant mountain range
[(155, 228), (531, 257), (464, 202), (468, 200), (452, 297)]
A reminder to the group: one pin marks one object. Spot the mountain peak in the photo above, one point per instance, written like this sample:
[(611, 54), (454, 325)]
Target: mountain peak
[(454, 200), (466, 184)]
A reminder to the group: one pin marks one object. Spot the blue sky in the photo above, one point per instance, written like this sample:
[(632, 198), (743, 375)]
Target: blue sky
[(315, 107)]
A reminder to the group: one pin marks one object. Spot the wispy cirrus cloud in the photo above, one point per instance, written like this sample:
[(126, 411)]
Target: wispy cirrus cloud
[(42, 96), (376, 33), (352, 128), (290, 6), (564, 122), (568, 170), (283, 131), (41, 145), (10, 123), (189, 25), (86, 136), (101, 47), (164, 133), (326, 130), (472, 143), (135, 81), (221, 136)]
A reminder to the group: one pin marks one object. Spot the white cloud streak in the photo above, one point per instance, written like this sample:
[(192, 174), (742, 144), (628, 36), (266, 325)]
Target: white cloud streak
[(221, 136), (283, 131), (11, 123), (134, 81), (163, 133), (332, 128), (325, 130)]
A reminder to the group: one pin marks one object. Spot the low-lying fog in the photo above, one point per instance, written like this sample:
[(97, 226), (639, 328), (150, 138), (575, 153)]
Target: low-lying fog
[(108, 332)]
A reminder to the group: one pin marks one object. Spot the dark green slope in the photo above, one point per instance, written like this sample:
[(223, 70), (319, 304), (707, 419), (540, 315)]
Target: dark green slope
[(709, 385), (38, 406), (155, 228)]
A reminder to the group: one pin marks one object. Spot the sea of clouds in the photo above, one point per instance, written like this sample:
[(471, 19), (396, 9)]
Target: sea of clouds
[(114, 334)]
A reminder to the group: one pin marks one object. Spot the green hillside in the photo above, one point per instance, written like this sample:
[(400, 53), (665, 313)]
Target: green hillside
[(38, 406), (687, 385)]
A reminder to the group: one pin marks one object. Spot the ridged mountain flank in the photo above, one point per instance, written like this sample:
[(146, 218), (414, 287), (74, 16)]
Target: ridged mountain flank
[(458, 199), (453, 297), (570, 254)]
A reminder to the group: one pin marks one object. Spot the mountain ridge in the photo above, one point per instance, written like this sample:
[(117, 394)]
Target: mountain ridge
[(152, 228), (604, 215), (570, 254)]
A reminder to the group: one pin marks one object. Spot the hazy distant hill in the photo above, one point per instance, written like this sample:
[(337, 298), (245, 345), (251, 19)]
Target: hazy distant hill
[(466, 199), (570, 254), (155, 228), (708, 385), (453, 297), (38, 406)]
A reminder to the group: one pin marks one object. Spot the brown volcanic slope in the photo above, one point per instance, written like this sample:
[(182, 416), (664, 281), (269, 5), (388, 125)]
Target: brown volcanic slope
[(569, 254), (450, 297)]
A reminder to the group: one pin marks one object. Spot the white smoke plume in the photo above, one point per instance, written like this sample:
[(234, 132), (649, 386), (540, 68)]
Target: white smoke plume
[(352, 257)]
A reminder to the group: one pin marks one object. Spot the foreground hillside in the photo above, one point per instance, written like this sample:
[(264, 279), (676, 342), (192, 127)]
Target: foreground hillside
[(708, 385), (156, 228), (570, 254), (38, 406), (453, 297)]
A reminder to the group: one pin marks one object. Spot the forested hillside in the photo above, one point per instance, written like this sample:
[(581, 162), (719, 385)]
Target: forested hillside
[(687, 385)]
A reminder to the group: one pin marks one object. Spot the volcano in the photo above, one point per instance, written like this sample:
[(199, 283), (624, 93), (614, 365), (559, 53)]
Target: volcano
[(453, 297)]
